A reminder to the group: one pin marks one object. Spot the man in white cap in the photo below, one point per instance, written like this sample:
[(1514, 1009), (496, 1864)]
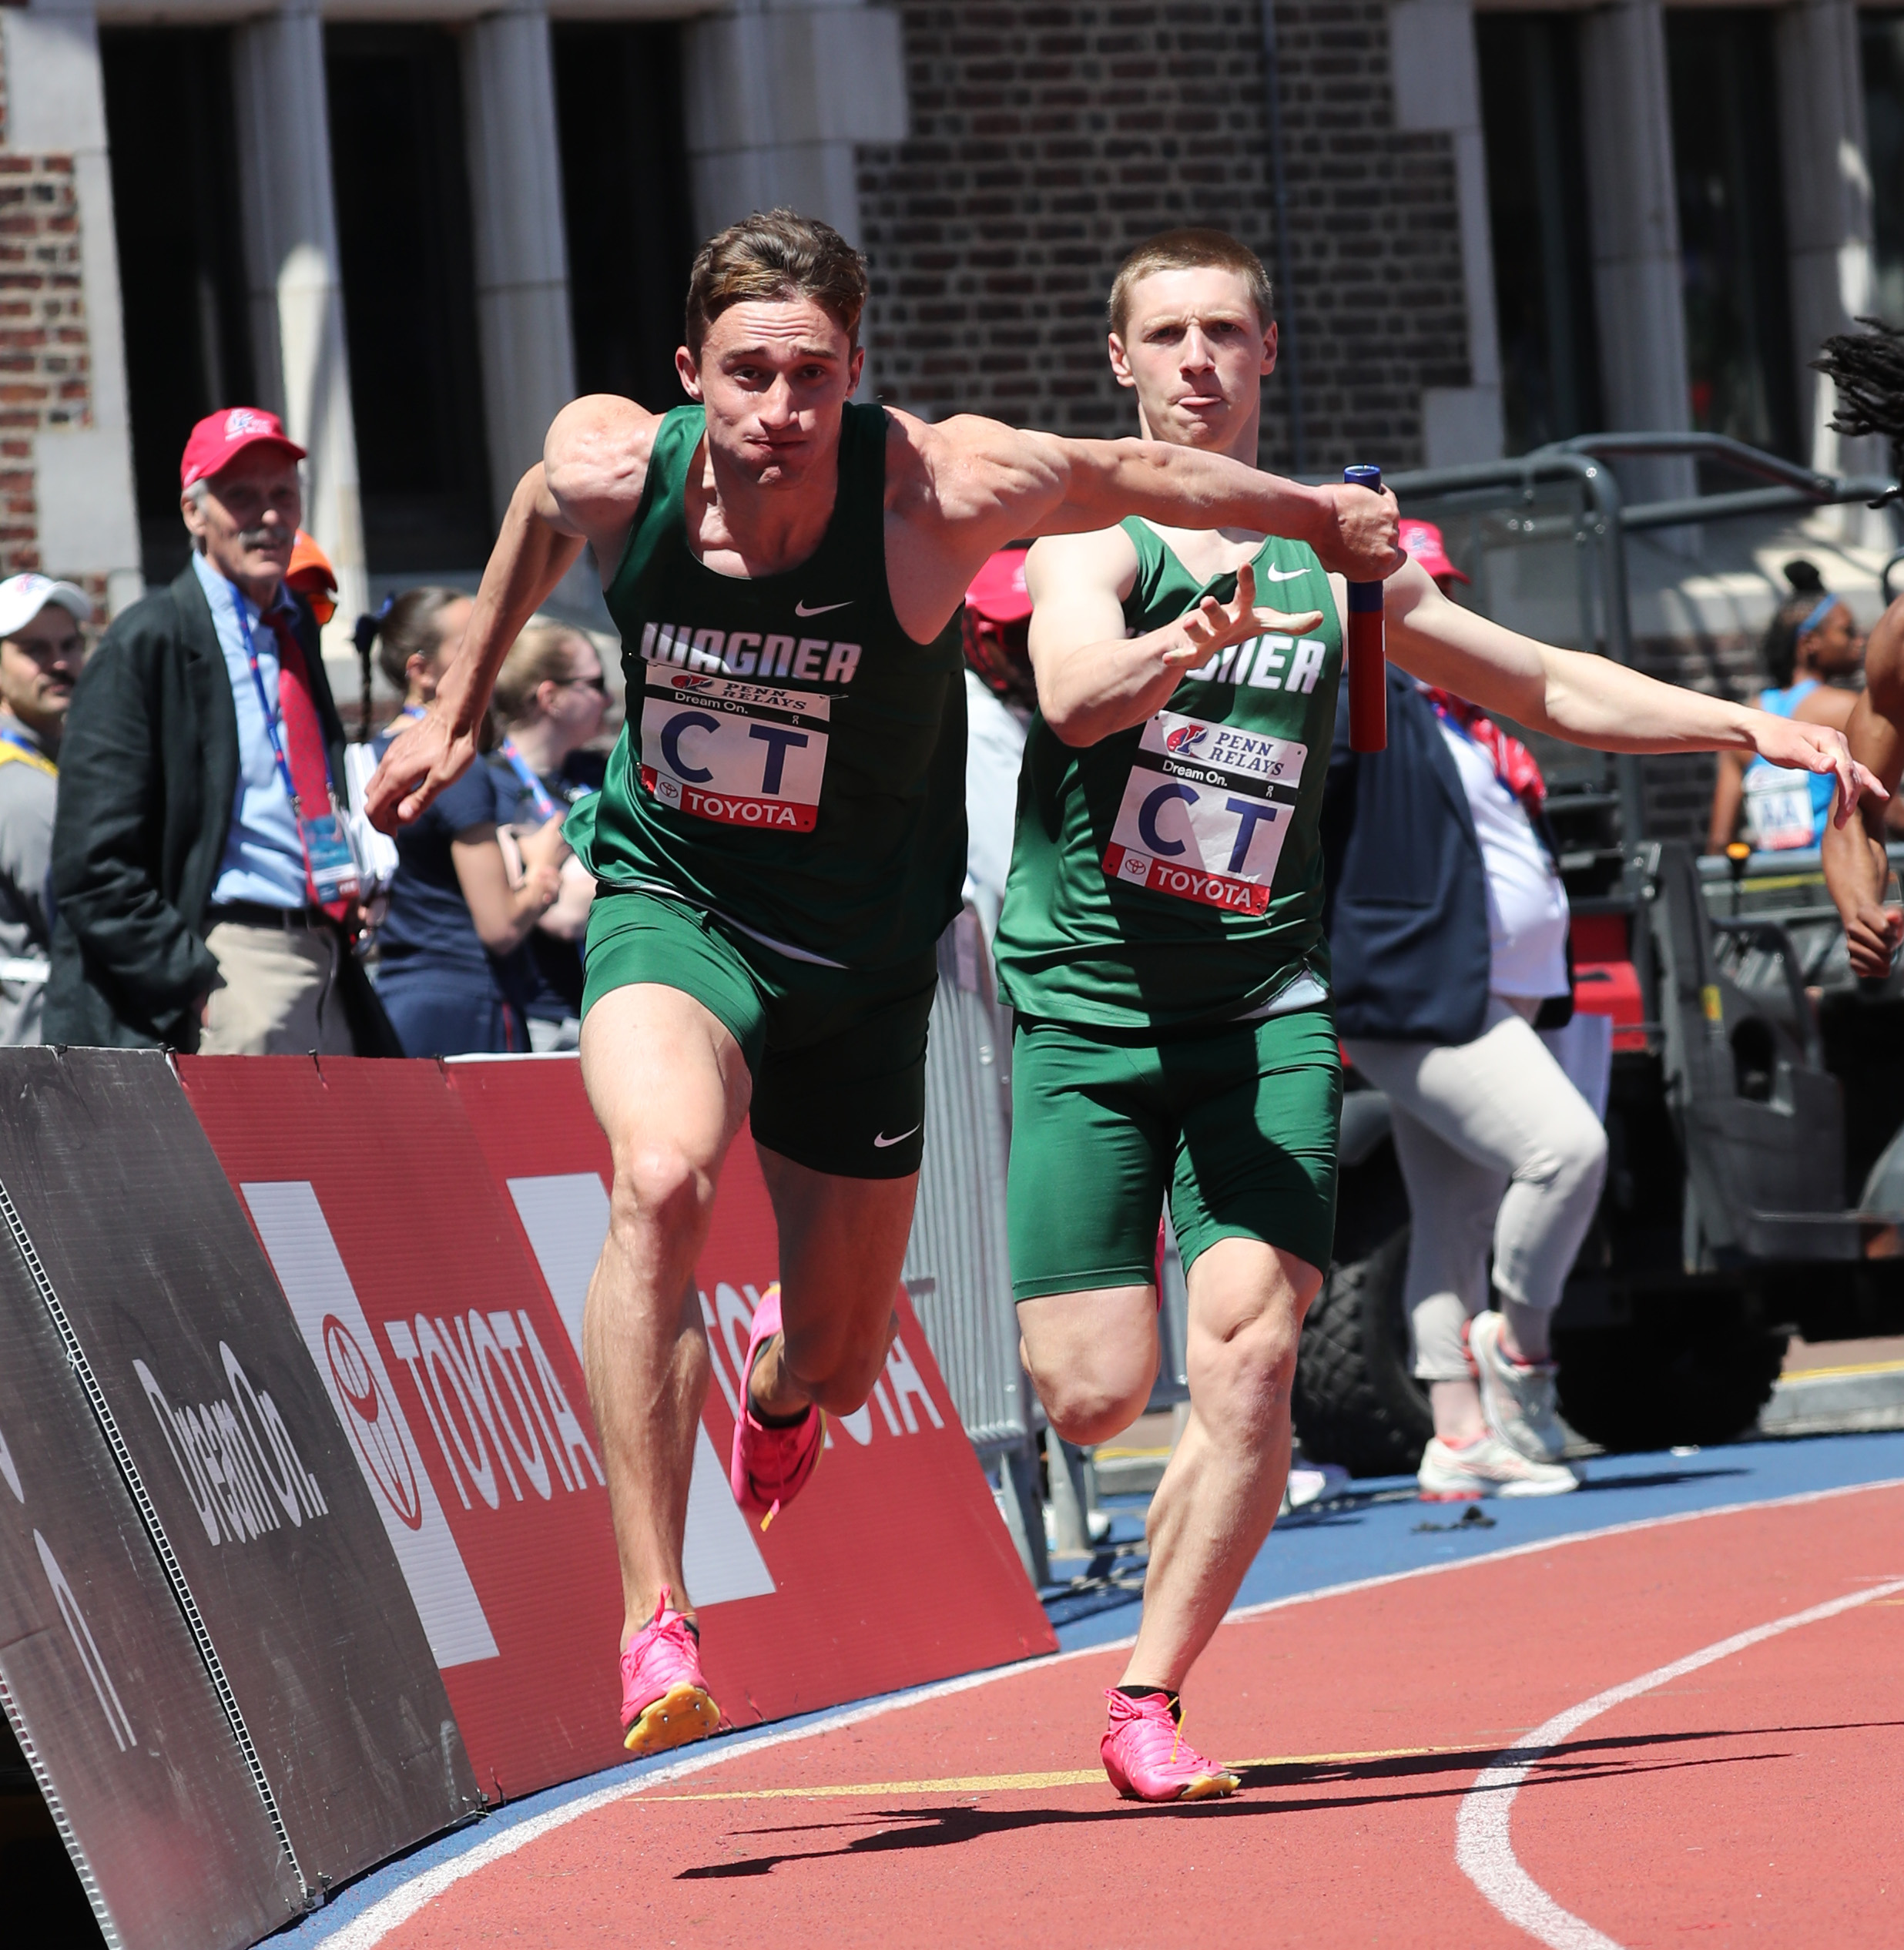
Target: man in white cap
[(41, 651)]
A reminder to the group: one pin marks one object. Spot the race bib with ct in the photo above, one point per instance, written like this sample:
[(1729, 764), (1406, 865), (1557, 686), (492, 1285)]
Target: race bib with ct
[(744, 755), (1204, 811), (1779, 808)]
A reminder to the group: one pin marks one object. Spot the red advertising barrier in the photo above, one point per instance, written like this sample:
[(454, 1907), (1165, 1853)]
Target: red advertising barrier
[(894, 1567), (434, 1232)]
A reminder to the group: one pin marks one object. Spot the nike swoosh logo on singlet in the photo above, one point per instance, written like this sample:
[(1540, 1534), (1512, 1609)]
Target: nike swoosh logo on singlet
[(820, 608), (882, 1142), (1282, 575)]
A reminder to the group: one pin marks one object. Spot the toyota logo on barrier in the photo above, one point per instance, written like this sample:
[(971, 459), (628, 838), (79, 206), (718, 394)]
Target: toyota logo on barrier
[(373, 1423)]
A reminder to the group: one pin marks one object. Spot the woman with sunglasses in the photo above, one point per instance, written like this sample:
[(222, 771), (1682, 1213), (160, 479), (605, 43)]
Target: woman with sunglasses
[(550, 699), (455, 969)]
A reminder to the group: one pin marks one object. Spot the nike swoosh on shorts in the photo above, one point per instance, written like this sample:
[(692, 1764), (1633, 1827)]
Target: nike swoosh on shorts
[(1269, 575), (820, 608), (882, 1142)]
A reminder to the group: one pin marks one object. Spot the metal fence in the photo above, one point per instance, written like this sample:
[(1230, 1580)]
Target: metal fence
[(957, 1269)]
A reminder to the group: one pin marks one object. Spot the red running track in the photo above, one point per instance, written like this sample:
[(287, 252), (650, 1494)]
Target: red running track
[(1757, 1793)]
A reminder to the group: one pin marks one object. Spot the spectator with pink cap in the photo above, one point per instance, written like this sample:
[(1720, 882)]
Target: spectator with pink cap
[(40, 651), (206, 888)]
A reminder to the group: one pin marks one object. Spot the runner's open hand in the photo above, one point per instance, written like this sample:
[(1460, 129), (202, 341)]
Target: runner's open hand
[(1214, 626), (1358, 535), (1816, 748), (423, 759)]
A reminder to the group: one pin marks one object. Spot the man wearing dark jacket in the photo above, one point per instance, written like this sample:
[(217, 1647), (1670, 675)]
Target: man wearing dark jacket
[(203, 877)]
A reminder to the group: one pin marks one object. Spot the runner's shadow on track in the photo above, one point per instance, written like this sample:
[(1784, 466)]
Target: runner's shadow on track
[(942, 1827)]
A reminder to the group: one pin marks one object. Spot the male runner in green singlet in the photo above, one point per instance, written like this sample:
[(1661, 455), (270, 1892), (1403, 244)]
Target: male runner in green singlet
[(780, 840), (1162, 943)]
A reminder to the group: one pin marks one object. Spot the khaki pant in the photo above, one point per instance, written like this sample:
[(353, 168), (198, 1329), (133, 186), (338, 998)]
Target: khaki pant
[(277, 992), (1497, 1149)]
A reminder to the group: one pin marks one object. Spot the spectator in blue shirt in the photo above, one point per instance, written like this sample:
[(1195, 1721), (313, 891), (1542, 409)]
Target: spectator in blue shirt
[(454, 972)]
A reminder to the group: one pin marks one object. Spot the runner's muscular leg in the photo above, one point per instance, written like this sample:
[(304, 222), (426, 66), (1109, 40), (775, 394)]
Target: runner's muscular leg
[(671, 1088), (1224, 1485), (842, 1241), (1092, 1356)]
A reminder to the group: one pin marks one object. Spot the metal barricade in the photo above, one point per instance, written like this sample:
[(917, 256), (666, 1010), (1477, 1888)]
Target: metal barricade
[(957, 1269)]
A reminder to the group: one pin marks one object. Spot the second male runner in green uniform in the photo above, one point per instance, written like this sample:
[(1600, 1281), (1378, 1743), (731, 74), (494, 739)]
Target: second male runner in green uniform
[(1162, 944), (780, 840)]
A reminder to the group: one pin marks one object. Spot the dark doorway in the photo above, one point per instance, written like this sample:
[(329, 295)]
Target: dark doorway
[(174, 160), (1883, 36), (626, 204), (1732, 224), (1537, 199), (409, 295)]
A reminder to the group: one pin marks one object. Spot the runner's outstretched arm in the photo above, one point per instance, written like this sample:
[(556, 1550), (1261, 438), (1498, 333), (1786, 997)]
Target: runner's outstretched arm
[(585, 489), (1592, 701), (987, 484), (1857, 869)]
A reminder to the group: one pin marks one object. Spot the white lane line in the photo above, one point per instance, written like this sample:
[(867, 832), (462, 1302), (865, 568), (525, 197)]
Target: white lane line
[(1483, 1848), (367, 1931)]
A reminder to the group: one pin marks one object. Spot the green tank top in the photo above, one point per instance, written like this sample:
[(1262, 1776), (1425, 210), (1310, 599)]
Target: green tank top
[(1171, 875), (792, 760)]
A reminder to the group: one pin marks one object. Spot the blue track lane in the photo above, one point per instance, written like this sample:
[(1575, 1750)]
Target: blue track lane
[(1372, 1533)]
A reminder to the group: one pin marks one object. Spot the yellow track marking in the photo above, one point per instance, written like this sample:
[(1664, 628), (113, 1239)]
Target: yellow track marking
[(993, 1784), (1863, 1368)]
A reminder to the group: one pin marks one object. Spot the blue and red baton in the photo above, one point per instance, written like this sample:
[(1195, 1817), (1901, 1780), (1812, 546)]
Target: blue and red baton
[(1367, 659)]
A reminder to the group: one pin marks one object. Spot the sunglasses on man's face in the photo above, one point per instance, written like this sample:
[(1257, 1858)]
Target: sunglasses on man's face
[(597, 683)]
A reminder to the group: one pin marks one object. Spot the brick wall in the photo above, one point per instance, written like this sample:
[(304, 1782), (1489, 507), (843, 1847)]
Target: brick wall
[(1049, 137), (44, 376)]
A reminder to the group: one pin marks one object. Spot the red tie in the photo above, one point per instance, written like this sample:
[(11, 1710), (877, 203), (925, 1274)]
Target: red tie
[(303, 740)]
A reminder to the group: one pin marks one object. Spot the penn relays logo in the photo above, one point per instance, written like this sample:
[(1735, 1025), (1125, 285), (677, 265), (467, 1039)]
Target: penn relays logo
[(1186, 738), (372, 1426)]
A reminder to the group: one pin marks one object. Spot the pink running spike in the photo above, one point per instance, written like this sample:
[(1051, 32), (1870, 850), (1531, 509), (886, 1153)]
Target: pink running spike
[(665, 1700), (768, 1467), (1147, 1758)]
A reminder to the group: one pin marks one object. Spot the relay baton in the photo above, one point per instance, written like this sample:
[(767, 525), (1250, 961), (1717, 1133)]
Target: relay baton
[(1368, 660)]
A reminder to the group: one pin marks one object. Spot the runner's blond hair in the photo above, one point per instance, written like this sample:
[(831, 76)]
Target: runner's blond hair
[(1194, 249)]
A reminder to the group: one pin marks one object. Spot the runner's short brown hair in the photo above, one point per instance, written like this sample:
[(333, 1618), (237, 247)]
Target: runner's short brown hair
[(776, 255), (1194, 249)]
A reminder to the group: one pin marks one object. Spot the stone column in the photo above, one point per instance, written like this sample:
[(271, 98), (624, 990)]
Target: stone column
[(778, 92), (1827, 210), (1638, 283), (1437, 85), (521, 257), (85, 510), (291, 266)]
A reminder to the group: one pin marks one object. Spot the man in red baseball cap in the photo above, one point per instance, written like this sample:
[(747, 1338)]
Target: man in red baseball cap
[(222, 921)]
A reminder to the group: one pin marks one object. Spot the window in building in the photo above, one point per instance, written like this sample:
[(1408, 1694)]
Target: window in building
[(626, 204), (1884, 133), (1536, 197), (1731, 226), (174, 160), (398, 159)]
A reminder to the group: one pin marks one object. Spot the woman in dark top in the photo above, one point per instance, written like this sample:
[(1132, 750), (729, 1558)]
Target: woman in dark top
[(452, 971), (550, 698)]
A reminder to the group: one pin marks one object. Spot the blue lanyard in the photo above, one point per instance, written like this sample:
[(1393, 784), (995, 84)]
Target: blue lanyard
[(19, 738), (517, 763), (264, 706)]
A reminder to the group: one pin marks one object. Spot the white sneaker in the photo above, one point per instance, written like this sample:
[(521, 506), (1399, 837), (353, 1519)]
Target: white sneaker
[(1518, 1400), (1309, 1482), (1488, 1467)]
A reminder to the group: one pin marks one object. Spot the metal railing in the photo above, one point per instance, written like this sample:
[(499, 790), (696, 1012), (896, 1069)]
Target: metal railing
[(957, 1269)]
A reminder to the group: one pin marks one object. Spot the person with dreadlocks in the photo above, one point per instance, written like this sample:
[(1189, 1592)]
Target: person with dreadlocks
[(1868, 369)]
